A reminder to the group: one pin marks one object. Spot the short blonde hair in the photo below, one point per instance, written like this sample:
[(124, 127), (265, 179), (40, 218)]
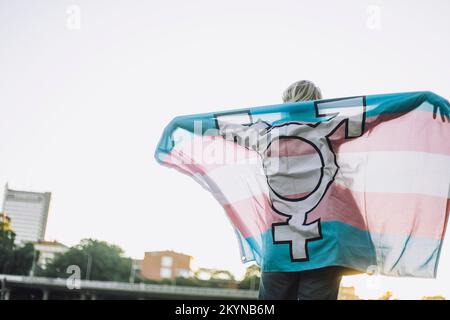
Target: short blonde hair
[(302, 91)]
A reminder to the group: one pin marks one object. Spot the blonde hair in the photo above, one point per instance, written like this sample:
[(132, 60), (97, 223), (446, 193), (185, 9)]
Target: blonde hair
[(302, 91)]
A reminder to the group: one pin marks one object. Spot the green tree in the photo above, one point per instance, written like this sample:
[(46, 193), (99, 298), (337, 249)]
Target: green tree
[(213, 278), (14, 259), (97, 259), (7, 237), (386, 296), (251, 278), (222, 275), (213, 274), (23, 259), (438, 297)]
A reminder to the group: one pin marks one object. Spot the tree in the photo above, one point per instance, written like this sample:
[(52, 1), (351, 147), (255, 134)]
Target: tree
[(251, 278), (14, 259), (386, 296), (7, 237), (213, 274), (97, 260), (213, 278), (438, 297), (23, 259)]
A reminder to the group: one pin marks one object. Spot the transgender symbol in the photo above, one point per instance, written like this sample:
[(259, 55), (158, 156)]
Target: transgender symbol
[(298, 162)]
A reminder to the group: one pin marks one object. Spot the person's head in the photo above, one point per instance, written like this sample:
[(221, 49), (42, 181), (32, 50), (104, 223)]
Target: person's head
[(302, 90)]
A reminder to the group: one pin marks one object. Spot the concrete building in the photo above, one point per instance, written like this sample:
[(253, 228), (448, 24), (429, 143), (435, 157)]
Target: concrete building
[(47, 251), (165, 265), (136, 267), (28, 212)]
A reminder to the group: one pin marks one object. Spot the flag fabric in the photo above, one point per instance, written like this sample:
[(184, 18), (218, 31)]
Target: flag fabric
[(360, 182)]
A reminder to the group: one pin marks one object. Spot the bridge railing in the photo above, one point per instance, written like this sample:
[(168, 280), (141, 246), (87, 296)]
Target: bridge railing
[(124, 289)]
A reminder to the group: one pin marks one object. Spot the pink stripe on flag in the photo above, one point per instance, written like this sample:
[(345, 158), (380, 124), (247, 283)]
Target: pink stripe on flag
[(393, 214), (414, 131)]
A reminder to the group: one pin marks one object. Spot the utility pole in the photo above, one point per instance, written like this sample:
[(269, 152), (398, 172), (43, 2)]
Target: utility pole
[(252, 283), (3, 289), (89, 265), (132, 272), (33, 265)]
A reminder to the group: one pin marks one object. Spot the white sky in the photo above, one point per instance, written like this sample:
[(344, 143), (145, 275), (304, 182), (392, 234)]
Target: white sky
[(81, 110)]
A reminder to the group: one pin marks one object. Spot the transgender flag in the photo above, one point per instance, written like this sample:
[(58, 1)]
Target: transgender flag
[(360, 182)]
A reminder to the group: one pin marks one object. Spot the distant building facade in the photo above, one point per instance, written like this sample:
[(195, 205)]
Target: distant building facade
[(47, 251), (136, 267), (165, 265), (28, 212)]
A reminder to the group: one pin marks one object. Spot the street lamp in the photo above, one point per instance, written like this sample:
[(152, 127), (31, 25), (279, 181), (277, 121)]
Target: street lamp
[(89, 265), (133, 270), (33, 265)]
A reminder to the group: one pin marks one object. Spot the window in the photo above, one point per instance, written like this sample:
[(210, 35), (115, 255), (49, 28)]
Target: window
[(165, 273), (166, 261)]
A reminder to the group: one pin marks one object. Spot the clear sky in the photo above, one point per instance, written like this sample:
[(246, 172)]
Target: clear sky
[(86, 88)]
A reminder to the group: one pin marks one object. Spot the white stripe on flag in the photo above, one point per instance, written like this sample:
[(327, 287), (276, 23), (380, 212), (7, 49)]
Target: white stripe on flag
[(395, 172), (388, 172)]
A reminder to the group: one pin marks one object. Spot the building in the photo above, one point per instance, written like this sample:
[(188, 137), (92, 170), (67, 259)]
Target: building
[(47, 251), (28, 212), (136, 267), (165, 265)]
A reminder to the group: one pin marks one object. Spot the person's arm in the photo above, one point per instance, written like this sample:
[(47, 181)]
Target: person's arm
[(413, 100)]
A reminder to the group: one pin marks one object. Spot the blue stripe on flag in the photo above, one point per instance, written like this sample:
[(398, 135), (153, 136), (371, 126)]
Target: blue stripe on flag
[(347, 246)]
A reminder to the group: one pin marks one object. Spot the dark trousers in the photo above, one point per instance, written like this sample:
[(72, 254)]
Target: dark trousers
[(318, 284)]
